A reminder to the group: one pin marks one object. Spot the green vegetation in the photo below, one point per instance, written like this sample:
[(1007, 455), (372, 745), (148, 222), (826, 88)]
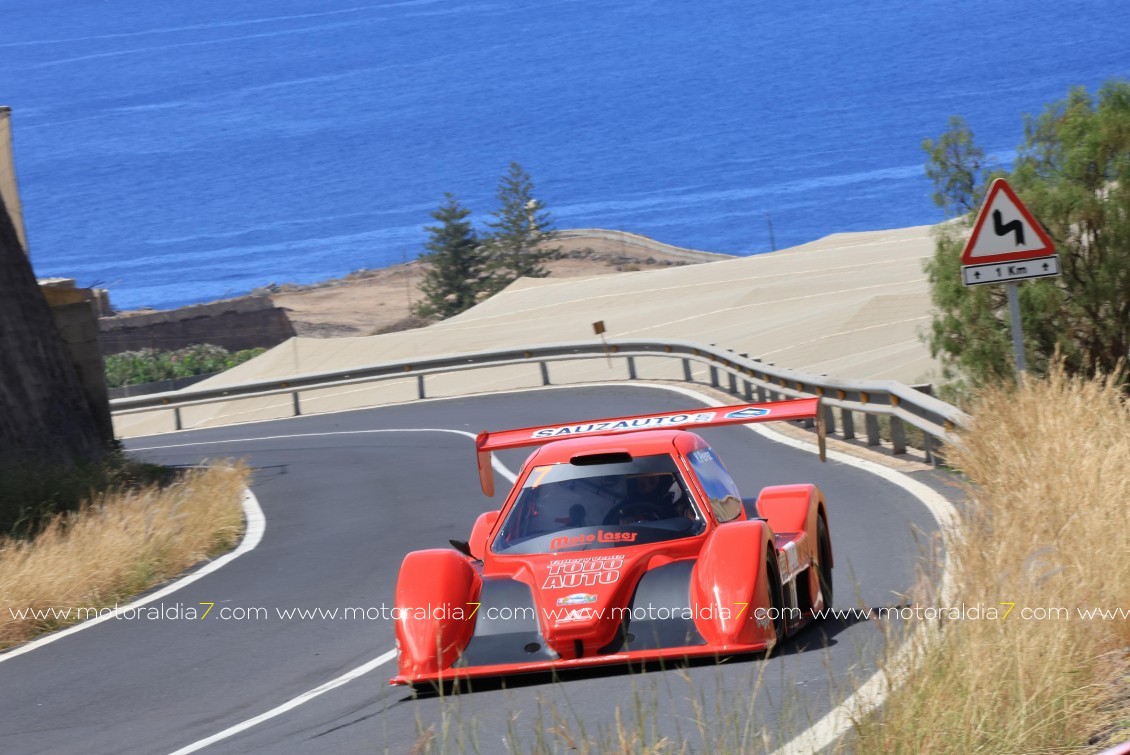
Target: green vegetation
[(1073, 173), (519, 234), (455, 275), (149, 365), (466, 266), (31, 494)]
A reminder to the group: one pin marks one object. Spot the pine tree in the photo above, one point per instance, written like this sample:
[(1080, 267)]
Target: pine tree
[(1073, 173), (520, 234), (455, 276)]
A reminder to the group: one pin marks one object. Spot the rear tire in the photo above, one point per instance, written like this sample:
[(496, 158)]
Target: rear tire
[(824, 548)]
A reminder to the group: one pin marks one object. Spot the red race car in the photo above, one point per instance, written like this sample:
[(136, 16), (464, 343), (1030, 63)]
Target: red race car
[(623, 539)]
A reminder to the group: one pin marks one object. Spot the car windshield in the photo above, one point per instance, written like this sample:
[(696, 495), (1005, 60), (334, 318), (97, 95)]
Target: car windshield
[(564, 507)]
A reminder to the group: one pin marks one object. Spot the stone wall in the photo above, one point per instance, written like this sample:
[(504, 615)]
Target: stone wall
[(235, 324), (46, 416)]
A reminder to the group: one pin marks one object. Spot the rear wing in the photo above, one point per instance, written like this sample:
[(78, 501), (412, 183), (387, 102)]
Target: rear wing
[(774, 411)]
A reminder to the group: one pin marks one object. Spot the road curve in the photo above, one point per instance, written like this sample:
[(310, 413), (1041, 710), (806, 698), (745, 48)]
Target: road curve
[(343, 505)]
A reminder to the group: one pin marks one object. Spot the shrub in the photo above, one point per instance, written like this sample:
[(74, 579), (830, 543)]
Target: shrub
[(150, 365)]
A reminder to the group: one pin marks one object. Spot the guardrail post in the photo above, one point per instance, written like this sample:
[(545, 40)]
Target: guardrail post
[(829, 420), (687, 371), (871, 422), (733, 384), (713, 376), (937, 452), (297, 406), (748, 391), (544, 372), (631, 368), (898, 436), (420, 386), (848, 423), (928, 445), (761, 395), (176, 418)]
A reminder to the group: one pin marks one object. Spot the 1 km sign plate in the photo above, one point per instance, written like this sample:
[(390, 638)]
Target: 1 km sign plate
[(1003, 272)]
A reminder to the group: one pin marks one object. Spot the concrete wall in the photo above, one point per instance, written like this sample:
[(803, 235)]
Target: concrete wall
[(158, 386), (9, 195), (244, 323), (77, 324)]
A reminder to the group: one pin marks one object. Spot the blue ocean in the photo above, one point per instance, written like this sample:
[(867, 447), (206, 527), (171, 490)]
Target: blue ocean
[(180, 152)]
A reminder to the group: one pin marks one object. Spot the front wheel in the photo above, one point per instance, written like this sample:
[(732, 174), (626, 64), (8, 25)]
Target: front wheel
[(824, 547), (776, 596)]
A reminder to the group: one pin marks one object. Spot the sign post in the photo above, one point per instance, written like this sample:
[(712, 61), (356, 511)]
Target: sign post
[(598, 328), (1013, 290), (1013, 248)]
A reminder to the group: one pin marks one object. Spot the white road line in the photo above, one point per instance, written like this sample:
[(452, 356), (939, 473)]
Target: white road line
[(305, 697), (817, 737), (481, 320), (841, 334), (364, 668), (256, 525), (494, 462), (658, 325), (308, 435)]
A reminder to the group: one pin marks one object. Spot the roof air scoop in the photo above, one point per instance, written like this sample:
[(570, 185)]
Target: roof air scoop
[(604, 457)]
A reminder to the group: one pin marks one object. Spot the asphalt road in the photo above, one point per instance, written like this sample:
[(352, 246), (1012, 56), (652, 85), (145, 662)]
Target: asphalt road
[(342, 508)]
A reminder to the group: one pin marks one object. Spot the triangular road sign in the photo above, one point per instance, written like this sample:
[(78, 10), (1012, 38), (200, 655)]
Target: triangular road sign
[(1005, 231)]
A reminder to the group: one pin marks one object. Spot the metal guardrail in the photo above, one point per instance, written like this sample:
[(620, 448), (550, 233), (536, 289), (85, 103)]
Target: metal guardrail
[(740, 375)]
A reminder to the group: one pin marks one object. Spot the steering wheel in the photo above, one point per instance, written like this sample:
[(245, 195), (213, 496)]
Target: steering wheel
[(635, 512)]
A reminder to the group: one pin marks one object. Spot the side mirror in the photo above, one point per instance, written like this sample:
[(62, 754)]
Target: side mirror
[(483, 525)]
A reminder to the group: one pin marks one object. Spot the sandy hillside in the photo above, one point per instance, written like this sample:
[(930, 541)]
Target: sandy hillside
[(371, 300)]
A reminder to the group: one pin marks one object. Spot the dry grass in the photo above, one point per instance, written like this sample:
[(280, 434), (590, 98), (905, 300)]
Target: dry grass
[(117, 546), (1046, 531)]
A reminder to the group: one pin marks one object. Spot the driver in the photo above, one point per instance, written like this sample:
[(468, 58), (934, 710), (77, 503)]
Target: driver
[(653, 497), (556, 506)]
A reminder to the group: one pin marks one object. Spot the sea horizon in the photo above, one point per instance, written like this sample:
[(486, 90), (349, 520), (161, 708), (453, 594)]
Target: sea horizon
[(176, 155)]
